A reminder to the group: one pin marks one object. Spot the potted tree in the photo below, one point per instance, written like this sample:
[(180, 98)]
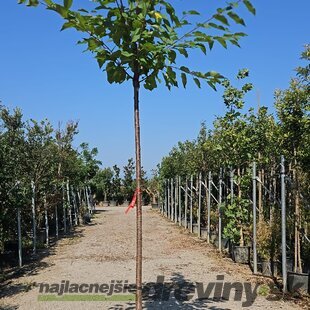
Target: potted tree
[(237, 229), (268, 246)]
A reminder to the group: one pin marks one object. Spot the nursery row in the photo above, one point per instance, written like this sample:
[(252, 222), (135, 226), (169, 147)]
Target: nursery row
[(45, 184), (244, 215), (247, 185)]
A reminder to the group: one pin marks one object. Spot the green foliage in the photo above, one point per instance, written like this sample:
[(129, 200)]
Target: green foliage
[(102, 181), (129, 185), (35, 152), (237, 217), (268, 238), (144, 40)]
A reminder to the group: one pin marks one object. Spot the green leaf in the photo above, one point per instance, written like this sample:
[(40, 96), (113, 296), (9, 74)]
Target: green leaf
[(221, 18), (211, 43), (249, 6), (149, 46), (184, 69), (184, 79), (221, 41), (236, 18), (202, 47), (193, 12), (197, 82), (150, 82), (68, 4), (183, 52), (62, 11), (67, 25), (216, 26), (136, 37), (211, 84), (127, 54)]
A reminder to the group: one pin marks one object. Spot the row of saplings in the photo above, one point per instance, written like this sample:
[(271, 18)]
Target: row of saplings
[(237, 227), (43, 221)]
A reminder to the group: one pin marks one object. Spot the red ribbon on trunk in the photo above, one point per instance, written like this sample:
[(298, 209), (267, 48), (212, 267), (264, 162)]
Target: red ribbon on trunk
[(133, 201)]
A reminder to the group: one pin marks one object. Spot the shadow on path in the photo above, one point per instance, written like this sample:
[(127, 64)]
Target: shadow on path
[(174, 295)]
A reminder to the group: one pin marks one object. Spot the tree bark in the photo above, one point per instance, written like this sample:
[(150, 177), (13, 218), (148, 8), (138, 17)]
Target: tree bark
[(136, 86)]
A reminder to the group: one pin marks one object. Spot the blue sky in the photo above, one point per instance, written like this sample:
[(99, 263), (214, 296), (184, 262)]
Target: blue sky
[(45, 73)]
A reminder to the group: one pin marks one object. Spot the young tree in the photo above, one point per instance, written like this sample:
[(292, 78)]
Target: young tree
[(103, 183), (128, 180), (117, 185), (292, 107), (139, 41)]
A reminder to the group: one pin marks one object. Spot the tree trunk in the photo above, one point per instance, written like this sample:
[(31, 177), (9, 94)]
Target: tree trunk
[(64, 209), (69, 205), (56, 221), (46, 222), (136, 86), (34, 222), (19, 232), (76, 220)]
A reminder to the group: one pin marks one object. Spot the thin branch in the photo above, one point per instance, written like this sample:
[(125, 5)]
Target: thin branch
[(195, 28)]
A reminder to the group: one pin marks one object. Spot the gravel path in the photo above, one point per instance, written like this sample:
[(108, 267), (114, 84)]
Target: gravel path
[(105, 251)]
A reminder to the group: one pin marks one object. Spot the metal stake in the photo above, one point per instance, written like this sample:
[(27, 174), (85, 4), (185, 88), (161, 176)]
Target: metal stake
[(209, 206), (191, 206), (220, 212), (283, 224), (254, 220), (199, 206)]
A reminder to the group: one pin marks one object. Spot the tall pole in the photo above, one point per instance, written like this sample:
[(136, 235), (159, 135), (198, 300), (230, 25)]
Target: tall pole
[(180, 203), (254, 220), (64, 209), (56, 221), (76, 218), (34, 222), (165, 197), (231, 186), (176, 200), (186, 203), (69, 204), (220, 211), (283, 224), (19, 231), (168, 198), (46, 222), (172, 201), (191, 205), (209, 206), (136, 87), (199, 206)]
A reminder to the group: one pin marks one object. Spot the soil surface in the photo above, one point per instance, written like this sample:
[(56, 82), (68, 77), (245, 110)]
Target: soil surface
[(104, 251)]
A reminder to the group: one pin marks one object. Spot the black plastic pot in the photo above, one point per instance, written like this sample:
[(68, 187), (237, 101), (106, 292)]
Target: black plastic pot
[(213, 237), (195, 229), (298, 282), (224, 243), (241, 254), (204, 233), (289, 265), (268, 268), (86, 219)]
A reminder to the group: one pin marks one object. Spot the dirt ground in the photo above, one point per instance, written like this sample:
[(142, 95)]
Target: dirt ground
[(105, 251)]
